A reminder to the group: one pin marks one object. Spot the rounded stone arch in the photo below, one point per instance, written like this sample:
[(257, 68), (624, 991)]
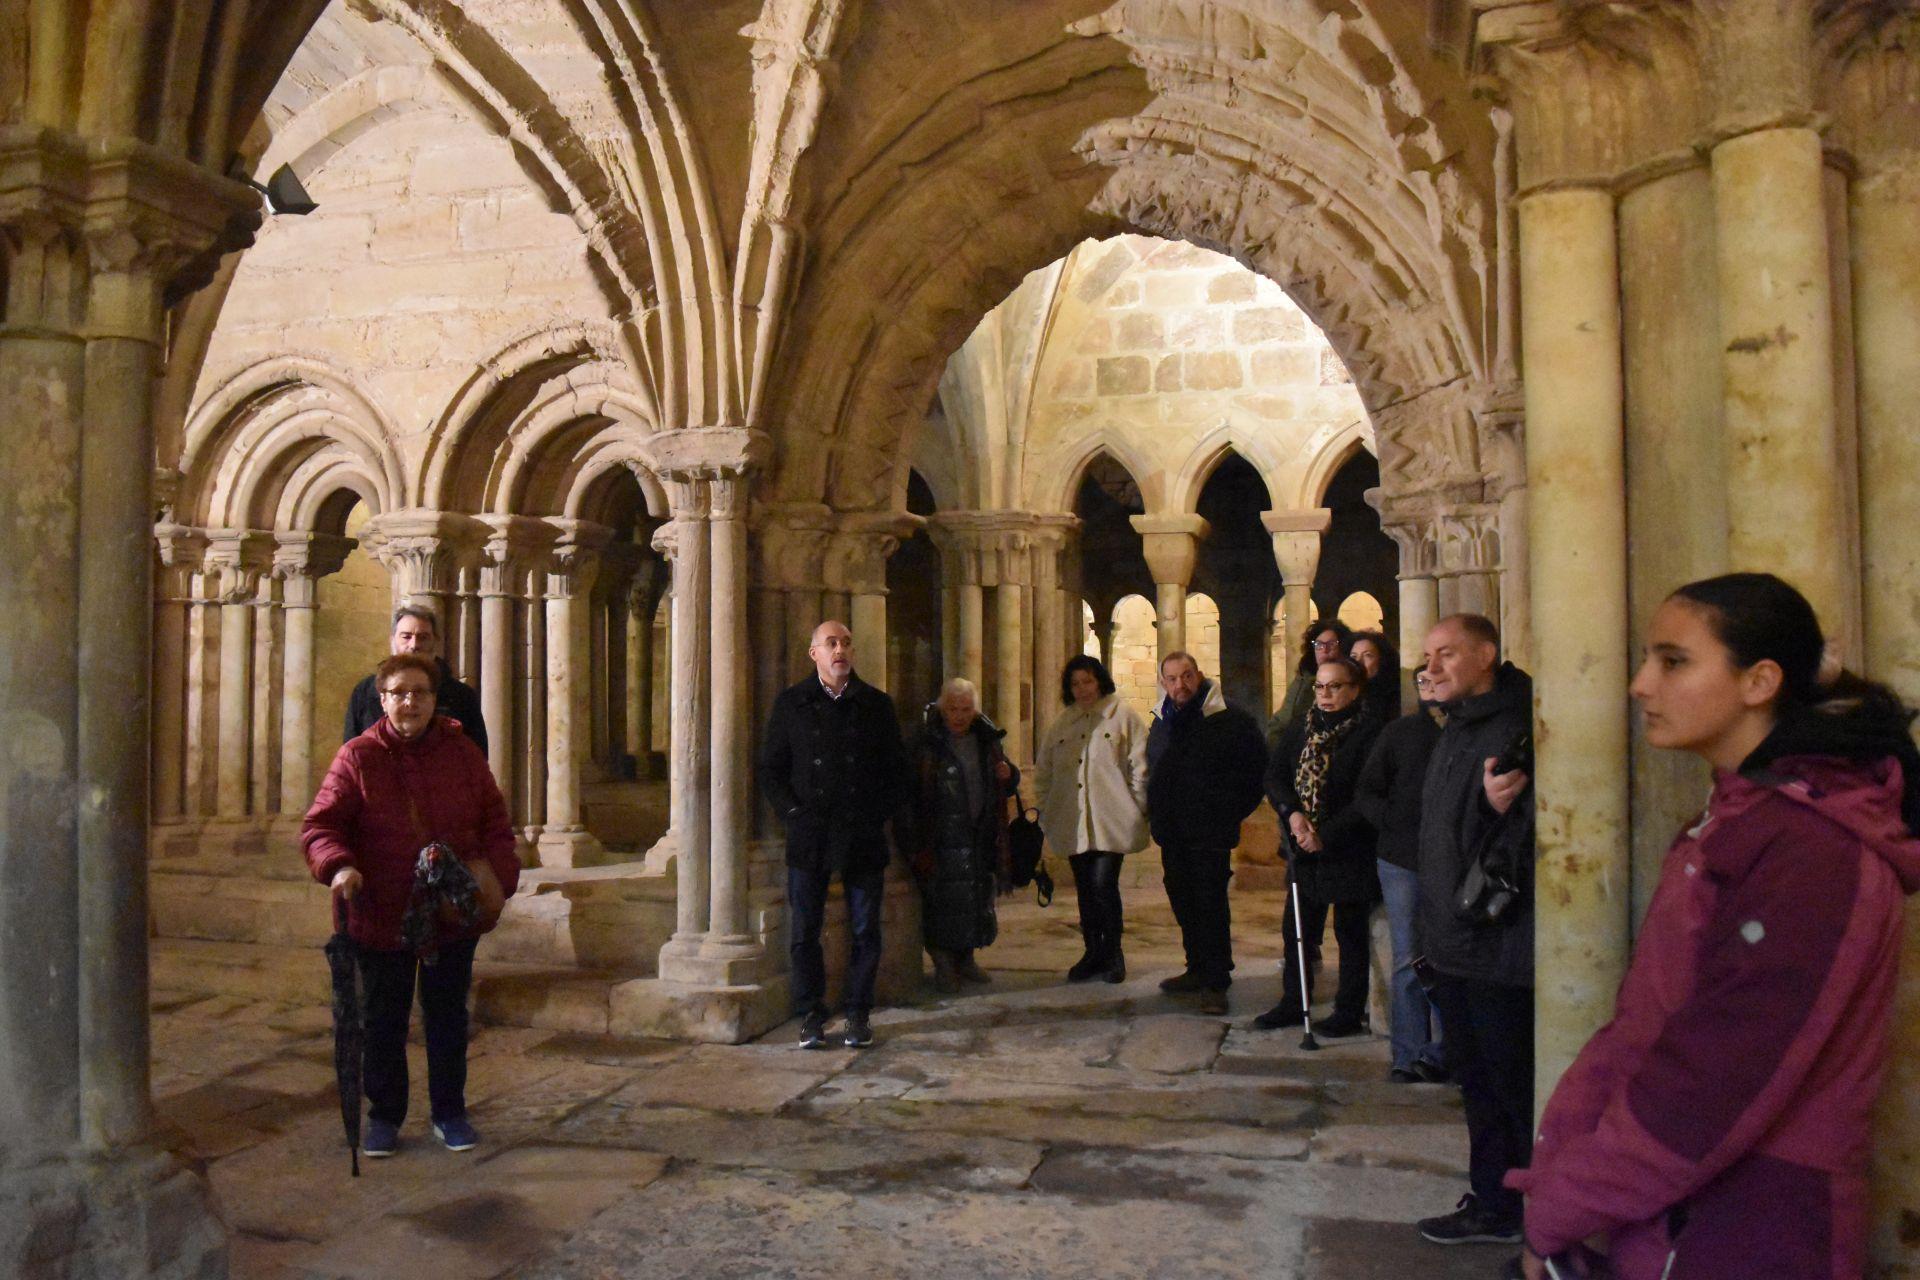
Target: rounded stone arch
[(1212, 449), (268, 444), (585, 421), (481, 415), (1072, 464), (330, 124)]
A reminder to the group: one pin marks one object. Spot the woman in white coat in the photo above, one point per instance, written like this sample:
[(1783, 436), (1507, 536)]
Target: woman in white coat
[(1090, 782)]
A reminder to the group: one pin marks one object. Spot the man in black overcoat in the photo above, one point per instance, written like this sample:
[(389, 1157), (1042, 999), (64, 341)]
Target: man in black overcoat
[(833, 767)]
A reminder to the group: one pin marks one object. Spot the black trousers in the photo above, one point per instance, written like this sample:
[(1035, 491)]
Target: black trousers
[(1096, 880), (1349, 934), (1487, 1031), (806, 911), (1196, 881), (390, 978)]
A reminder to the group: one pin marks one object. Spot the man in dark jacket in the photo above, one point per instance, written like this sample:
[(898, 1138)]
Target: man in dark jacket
[(1205, 762), (1389, 798), (1483, 971), (416, 629), (833, 767)]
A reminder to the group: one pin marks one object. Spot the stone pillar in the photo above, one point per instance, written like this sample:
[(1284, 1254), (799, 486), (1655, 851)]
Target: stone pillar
[(241, 559), (95, 231), (642, 600), (300, 560), (856, 562), (1570, 336), (1050, 622), (513, 551), (571, 565), (706, 471), (1296, 549), (1171, 544), (1776, 331), (683, 541), (180, 552), (1419, 595), (972, 657)]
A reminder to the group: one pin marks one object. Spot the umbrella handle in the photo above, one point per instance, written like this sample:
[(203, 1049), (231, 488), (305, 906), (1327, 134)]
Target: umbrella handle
[(339, 913)]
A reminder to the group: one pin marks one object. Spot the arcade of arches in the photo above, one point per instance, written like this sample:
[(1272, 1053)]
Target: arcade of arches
[(637, 337)]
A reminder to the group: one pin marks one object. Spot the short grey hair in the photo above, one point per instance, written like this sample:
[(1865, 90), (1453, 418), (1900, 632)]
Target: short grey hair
[(959, 684), (424, 613)]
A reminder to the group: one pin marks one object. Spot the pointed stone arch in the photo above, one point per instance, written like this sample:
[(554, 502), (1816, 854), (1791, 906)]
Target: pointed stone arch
[(1070, 468)]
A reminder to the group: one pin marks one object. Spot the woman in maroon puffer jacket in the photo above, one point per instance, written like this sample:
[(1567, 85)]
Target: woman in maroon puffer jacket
[(411, 779)]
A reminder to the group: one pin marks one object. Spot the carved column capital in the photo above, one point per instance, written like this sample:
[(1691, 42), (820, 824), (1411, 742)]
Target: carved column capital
[(1468, 541), (181, 552), (235, 562), (424, 550), (1419, 551), (1296, 542), (300, 560), (513, 550), (792, 545), (574, 558), (1171, 544), (858, 550)]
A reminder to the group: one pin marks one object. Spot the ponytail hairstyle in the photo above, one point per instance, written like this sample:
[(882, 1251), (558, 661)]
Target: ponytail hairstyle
[(1761, 617)]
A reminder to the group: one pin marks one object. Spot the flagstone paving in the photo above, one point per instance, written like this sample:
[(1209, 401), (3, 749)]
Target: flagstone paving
[(1024, 1129)]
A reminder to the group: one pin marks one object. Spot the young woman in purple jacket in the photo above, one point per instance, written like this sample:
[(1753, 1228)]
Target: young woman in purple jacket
[(1721, 1125)]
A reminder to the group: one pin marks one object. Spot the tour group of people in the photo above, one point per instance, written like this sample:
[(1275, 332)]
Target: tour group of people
[(1719, 1125)]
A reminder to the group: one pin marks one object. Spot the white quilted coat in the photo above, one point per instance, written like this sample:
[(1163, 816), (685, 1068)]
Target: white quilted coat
[(1090, 781)]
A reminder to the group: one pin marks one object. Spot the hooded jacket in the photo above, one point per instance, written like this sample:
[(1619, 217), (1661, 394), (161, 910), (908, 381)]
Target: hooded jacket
[(1456, 823), (1205, 762), (1090, 781), (364, 817), (1720, 1125)]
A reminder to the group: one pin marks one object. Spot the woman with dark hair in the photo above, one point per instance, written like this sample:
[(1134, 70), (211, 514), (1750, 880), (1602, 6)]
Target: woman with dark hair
[(1324, 638), (1721, 1123), (1090, 783), (1381, 661), (1312, 782), (413, 779)]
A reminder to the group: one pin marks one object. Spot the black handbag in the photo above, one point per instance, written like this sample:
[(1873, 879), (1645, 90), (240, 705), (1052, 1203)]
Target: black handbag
[(1024, 841)]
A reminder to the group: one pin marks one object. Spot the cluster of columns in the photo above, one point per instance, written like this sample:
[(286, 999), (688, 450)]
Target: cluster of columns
[(1007, 566), (1721, 346), (530, 609), (95, 235)]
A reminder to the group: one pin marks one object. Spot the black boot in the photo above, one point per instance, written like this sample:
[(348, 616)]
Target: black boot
[(1091, 961)]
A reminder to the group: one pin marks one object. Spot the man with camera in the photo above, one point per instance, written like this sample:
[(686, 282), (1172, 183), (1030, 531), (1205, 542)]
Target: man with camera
[(1474, 924)]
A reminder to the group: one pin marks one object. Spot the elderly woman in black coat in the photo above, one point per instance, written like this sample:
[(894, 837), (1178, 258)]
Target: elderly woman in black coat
[(1311, 781), (961, 782)]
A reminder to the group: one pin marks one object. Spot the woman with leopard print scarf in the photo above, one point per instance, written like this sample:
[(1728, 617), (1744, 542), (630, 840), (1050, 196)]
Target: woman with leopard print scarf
[(1311, 781)]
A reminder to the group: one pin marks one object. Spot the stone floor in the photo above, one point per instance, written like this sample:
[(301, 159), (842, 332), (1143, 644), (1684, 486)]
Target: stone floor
[(1028, 1128)]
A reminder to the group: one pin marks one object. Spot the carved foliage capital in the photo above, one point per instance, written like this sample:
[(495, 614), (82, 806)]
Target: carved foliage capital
[(235, 562)]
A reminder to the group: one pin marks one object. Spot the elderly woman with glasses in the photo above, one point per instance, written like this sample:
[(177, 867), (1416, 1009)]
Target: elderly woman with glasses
[(413, 779), (1311, 781)]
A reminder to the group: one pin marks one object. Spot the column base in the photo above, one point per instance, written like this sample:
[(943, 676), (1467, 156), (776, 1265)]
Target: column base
[(570, 846), (137, 1212), (713, 1014)]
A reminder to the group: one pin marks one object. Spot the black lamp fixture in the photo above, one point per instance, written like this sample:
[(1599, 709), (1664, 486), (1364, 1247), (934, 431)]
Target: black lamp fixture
[(283, 190)]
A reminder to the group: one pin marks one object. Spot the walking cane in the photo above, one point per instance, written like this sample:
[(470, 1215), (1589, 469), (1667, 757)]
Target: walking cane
[(1300, 944)]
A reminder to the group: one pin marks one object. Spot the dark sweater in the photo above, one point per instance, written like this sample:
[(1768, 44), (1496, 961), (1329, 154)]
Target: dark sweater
[(1390, 785)]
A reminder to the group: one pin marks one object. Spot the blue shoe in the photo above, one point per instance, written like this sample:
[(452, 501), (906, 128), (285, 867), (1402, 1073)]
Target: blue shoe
[(380, 1140), (456, 1133)]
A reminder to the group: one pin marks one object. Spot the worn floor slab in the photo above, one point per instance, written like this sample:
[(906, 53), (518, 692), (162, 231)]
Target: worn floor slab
[(1024, 1128)]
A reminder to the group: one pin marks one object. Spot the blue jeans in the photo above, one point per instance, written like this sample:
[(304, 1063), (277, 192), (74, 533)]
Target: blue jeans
[(806, 910), (1416, 1026)]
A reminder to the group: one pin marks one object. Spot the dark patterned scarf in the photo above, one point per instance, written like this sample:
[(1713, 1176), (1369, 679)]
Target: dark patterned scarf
[(1324, 735)]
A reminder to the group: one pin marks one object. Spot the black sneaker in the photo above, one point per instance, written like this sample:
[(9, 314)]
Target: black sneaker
[(1471, 1224), (1087, 966), (1116, 968), (1181, 983), (1404, 1075), (1431, 1072), (813, 1031), (1341, 1024), (1281, 1015), (857, 1034)]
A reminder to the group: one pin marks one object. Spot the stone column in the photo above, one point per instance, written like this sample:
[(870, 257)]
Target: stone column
[(571, 565), (683, 541), (707, 471), (1172, 545), (1570, 336), (1296, 549), (1468, 574), (515, 549), (241, 559), (300, 560), (856, 562), (1419, 596), (424, 552), (1049, 623), (95, 231), (180, 551), (642, 601), (1776, 329)]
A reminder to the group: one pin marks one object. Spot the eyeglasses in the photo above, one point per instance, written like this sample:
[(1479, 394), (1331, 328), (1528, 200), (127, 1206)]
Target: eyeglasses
[(1326, 644), (406, 695), (1329, 688)]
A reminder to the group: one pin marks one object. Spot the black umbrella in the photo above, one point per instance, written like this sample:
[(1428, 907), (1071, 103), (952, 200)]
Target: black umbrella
[(349, 1027)]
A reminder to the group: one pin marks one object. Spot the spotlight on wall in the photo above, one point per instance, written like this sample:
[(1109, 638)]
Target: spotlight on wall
[(283, 190)]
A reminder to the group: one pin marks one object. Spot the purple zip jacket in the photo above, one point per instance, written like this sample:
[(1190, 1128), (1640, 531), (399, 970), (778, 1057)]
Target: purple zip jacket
[(1720, 1126)]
